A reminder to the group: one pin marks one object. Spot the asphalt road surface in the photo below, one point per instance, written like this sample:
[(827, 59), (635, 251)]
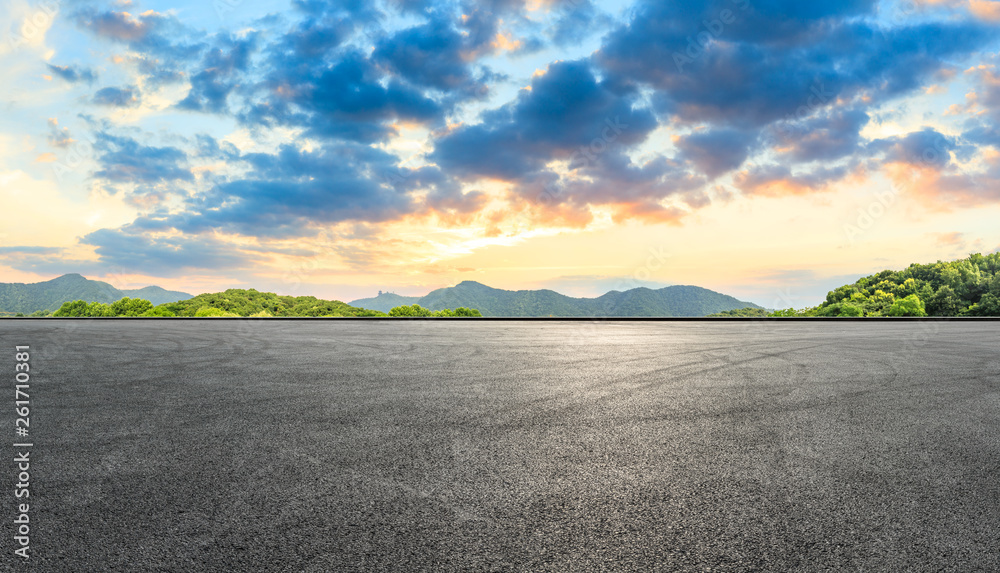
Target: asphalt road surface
[(506, 446)]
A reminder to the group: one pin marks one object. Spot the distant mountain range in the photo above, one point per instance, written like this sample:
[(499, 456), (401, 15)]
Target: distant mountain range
[(385, 301), (49, 295), (668, 301), (638, 302)]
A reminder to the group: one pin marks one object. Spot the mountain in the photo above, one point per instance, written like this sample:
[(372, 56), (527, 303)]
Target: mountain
[(668, 301), (49, 295), (385, 301), (156, 295)]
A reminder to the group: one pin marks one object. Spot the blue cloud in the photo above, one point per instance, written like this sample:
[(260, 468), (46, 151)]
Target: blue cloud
[(30, 250), (348, 100), (827, 136), (567, 114), (124, 160), (127, 96), (985, 133), (163, 256), (576, 21), (219, 75), (73, 74), (718, 151), (150, 32), (288, 193), (776, 60), (924, 147), (429, 55)]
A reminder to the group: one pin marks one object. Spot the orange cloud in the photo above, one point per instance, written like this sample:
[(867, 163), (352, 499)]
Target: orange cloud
[(542, 211), (647, 212), (47, 157), (778, 181), (949, 239), (988, 10), (942, 189), (505, 42), (971, 106)]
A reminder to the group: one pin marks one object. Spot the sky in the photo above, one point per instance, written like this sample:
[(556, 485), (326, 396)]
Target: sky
[(767, 149)]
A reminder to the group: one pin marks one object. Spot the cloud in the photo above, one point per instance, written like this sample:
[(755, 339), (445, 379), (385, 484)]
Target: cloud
[(774, 58), (432, 55), (827, 136), (926, 147), (58, 137), (349, 99), (923, 164), (983, 134), (575, 21), (952, 239), (988, 10), (155, 72), (775, 180), (567, 114), (717, 151), (164, 256), (124, 160), (295, 192), (30, 250), (150, 32), (219, 75), (73, 74), (127, 96)]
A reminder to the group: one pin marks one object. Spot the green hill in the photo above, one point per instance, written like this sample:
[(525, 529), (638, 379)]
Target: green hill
[(385, 301), (241, 302), (668, 301), (966, 287), (48, 296)]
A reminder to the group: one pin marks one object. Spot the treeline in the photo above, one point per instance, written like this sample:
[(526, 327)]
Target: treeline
[(244, 303), (741, 312), (966, 287), (416, 310)]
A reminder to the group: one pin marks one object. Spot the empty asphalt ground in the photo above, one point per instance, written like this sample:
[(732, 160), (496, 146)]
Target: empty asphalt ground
[(270, 445)]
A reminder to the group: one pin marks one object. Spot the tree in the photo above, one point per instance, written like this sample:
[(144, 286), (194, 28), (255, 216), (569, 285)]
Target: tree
[(879, 303), (75, 308), (849, 309), (209, 312), (160, 312), (99, 309), (989, 305), (131, 307), (413, 310), (945, 302), (368, 312), (468, 312), (783, 313), (908, 287), (907, 306)]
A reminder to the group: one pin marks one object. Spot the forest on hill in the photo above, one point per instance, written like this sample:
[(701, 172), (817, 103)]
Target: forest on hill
[(244, 303), (966, 287)]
